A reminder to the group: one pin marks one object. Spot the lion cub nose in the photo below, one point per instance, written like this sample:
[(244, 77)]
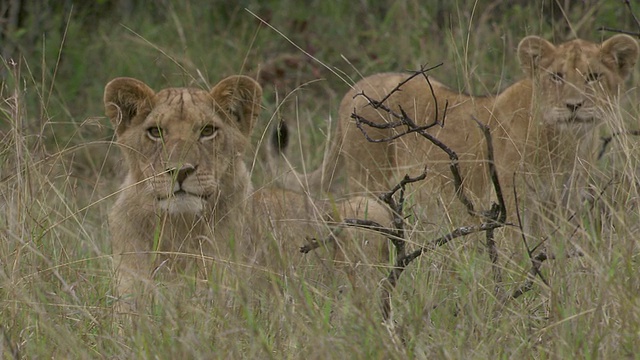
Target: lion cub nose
[(182, 173), (574, 106)]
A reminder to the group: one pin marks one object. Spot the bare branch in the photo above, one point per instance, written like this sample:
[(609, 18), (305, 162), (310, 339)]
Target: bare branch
[(388, 196), (453, 165), (371, 225), (493, 218), (635, 19), (403, 262), (619, 31), (412, 127), (497, 213), (423, 71), (397, 208), (501, 216), (535, 271), (435, 101), (606, 140), (536, 261), (360, 120)]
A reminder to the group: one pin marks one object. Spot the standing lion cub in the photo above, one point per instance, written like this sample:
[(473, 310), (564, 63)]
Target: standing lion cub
[(187, 203), (544, 127)]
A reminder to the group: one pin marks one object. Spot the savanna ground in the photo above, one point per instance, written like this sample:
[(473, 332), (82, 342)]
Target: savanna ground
[(59, 170)]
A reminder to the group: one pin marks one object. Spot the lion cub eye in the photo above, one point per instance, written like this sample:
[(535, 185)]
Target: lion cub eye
[(208, 132), (557, 77), (155, 133), (593, 77)]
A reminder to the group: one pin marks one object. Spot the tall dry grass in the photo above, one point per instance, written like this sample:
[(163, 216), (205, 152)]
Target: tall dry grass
[(59, 171)]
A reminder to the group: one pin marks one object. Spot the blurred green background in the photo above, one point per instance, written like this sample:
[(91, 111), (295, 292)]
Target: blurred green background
[(63, 52)]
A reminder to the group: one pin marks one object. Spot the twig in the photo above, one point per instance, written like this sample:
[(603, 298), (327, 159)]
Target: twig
[(606, 140), (628, 4), (435, 101), (501, 217), (454, 166), (619, 31), (312, 245), (492, 219), (495, 218), (524, 238), (535, 271), (388, 196), (492, 249), (635, 18), (402, 263), (360, 120), (397, 209), (396, 237), (371, 225), (413, 127), (536, 261), (423, 71), (401, 117), (497, 213)]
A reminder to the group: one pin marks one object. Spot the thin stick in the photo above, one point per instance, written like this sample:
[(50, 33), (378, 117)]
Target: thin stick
[(607, 139)]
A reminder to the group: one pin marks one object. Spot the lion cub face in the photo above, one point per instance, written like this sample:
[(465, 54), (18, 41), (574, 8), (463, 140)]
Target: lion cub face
[(182, 144), (575, 80)]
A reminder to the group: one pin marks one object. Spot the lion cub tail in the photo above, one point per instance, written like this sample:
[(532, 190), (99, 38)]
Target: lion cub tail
[(321, 180)]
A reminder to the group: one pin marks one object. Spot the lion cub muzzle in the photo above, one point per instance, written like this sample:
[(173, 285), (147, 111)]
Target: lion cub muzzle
[(181, 174), (573, 106), (182, 199)]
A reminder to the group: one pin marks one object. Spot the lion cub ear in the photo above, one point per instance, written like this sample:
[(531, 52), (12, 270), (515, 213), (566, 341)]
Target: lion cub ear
[(239, 97), (127, 101), (531, 51), (620, 53)]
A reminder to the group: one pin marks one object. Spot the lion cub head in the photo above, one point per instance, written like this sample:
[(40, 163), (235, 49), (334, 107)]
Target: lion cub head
[(184, 146), (576, 80)]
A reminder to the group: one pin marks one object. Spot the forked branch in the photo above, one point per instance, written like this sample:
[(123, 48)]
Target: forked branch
[(494, 218), (621, 31)]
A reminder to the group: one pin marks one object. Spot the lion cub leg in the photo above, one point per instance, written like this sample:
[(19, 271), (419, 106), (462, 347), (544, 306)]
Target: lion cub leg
[(359, 252), (131, 261)]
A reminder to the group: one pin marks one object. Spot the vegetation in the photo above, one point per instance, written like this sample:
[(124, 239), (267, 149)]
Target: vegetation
[(59, 171)]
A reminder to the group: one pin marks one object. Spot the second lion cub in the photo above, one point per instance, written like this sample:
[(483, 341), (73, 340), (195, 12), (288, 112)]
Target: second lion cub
[(543, 126)]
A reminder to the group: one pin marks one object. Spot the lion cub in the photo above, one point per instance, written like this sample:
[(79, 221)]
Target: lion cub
[(187, 203), (544, 127)]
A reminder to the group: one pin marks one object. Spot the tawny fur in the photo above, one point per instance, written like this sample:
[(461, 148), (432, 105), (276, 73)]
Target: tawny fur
[(543, 125), (187, 200)]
